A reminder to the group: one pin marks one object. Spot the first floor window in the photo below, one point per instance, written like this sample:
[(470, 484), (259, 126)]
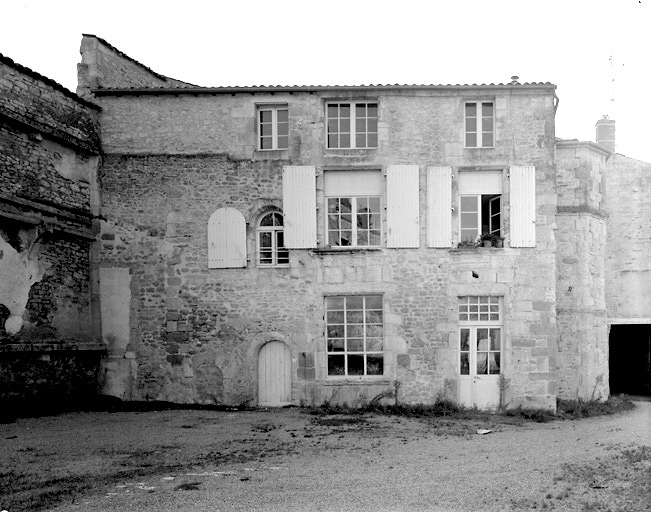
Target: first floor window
[(271, 244), (273, 127), (352, 125), (479, 215), (480, 335), (354, 221), (354, 335), (479, 121)]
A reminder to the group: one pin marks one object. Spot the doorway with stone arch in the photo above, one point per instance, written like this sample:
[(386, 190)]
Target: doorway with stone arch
[(274, 375)]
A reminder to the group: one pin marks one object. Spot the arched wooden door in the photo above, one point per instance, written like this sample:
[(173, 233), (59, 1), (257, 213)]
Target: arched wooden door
[(274, 375)]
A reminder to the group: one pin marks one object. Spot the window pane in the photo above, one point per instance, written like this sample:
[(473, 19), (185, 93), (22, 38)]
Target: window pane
[(265, 239), (267, 220), (335, 331), (334, 303), (374, 302), (360, 110), (482, 363), (482, 339), (344, 141), (333, 111), (471, 109), (360, 140), (344, 110), (494, 363), (283, 142), (265, 116), (336, 345), (344, 126), (266, 143), (355, 331), (487, 124), (333, 141), (464, 340), (495, 339), (469, 203), (465, 363), (371, 109), (277, 219), (372, 140), (374, 364), (355, 365), (354, 317), (354, 302), (374, 330), (371, 125), (374, 204), (336, 365), (362, 238), (355, 345), (487, 109), (374, 238), (345, 205), (471, 125), (282, 115), (487, 140), (283, 257), (374, 316), (374, 344), (346, 238), (266, 258), (335, 317), (471, 140)]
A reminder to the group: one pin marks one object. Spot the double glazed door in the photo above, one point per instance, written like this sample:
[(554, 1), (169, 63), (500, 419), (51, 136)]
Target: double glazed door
[(480, 360)]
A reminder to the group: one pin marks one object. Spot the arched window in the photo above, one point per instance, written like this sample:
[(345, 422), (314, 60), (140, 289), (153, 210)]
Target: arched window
[(270, 241)]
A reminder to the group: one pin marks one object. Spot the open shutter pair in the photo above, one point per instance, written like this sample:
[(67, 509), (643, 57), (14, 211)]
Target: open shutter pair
[(522, 191)]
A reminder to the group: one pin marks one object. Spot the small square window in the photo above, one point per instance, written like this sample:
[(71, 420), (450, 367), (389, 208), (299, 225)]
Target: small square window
[(352, 125)]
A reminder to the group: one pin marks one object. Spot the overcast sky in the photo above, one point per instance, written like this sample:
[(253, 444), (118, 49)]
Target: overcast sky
[(354, 42)]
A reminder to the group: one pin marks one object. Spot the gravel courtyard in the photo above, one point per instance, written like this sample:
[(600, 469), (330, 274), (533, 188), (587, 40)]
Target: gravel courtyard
[(289, 460)]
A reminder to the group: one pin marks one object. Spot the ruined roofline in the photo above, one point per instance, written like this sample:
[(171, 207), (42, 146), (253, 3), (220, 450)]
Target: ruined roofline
[(139, 64), (56, 85), (546, 86)]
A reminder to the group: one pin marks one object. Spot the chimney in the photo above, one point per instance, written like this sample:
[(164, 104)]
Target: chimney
[(605, 135)]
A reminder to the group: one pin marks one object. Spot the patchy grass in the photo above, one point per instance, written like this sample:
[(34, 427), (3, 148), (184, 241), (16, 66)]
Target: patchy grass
[(574, 409)]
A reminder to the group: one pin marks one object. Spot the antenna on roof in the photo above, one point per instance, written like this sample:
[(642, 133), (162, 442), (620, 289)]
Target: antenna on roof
[(611, 109)]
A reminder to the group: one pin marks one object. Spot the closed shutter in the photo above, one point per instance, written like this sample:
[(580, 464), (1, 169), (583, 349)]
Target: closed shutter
[(439, 206), (403, 226), (226, 239), (299, 206), (523, 206)]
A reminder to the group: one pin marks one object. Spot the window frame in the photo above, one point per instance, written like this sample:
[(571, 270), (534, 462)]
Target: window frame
[(354, 213), (479, 202), (353, 121), (274, 109), (377, 354), (496, 323), (479, 131), (275, 250)]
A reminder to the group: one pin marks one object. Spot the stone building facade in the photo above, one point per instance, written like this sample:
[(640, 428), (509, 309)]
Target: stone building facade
[(367, 288), (49, 157)]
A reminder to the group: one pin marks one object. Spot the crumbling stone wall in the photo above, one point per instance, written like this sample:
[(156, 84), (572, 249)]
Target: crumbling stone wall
[(49, 153)]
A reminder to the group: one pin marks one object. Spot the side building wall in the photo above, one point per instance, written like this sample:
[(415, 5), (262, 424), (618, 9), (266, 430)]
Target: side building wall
[(49, 155), (580, 259)]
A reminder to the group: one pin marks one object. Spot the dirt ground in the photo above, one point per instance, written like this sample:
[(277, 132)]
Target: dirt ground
[(291, 460)]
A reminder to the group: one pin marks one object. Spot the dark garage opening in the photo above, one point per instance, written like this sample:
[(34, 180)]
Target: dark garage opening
[(630, 359)]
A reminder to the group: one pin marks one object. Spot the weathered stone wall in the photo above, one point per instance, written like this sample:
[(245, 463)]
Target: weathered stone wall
[(102, 65), (628, 277), (580, 259), (49, 153)]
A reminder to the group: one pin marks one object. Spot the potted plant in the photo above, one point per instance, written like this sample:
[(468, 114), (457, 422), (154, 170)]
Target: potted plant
[(491, 240)]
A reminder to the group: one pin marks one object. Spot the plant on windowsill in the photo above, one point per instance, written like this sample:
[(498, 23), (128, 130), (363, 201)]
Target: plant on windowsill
[(468, 244), (492, 240)]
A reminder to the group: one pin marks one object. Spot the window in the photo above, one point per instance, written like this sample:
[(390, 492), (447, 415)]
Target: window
[(270, 239), (352, 125), (480, 130), (353, 208), (273, 127), (480, 204), (354, 335), (480, 335)]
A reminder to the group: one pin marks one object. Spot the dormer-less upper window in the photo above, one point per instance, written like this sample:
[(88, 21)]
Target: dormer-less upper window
[(480, 124), (352, 125), (273, 127)]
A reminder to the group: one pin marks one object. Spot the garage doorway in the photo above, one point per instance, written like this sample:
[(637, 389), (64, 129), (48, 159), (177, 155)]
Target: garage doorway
[(630, 359)]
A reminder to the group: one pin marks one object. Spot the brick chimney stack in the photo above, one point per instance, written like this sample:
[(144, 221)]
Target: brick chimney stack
[(605, 135)]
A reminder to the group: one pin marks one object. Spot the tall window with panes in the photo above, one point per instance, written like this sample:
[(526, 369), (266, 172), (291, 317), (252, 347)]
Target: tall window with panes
[(480, 335), (480, 204), (354, 335), (352, 125), (273, 127), (479, 124)]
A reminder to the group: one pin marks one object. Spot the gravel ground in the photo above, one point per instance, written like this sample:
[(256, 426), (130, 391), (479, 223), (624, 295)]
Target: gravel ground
[(287, 460)]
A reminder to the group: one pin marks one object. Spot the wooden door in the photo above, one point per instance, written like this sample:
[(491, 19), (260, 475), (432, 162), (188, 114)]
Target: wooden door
[(274, 375)]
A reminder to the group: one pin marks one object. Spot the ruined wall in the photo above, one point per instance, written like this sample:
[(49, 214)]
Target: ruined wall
[(49, 153), (628, 268), (195, 332), (581, 249)]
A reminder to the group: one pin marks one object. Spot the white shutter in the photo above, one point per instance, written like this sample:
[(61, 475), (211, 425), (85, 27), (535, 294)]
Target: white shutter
[(403, 226), (523, 206), (439, 206), (226, 239), (299, 206)]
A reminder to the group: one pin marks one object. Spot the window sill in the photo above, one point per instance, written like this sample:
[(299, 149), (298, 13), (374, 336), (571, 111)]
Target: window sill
[(346, 250), (271, 154), (371, 380), (473, 249)]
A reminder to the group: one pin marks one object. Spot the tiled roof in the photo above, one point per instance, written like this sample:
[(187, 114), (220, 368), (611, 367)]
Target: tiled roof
[(56, 85)]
